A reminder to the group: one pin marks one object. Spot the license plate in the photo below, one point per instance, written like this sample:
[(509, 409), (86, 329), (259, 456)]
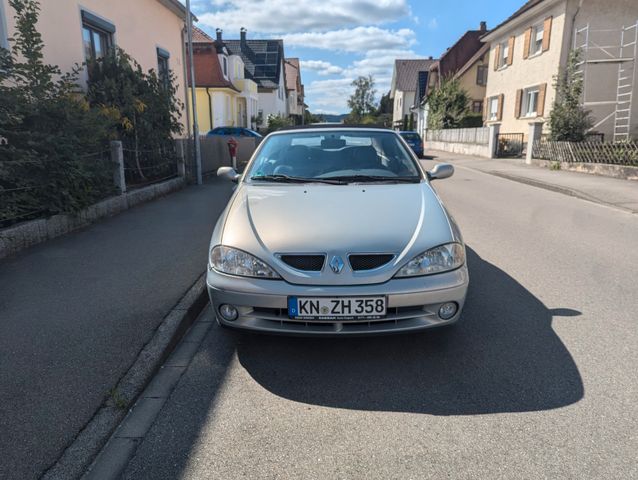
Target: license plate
[(333, 308)]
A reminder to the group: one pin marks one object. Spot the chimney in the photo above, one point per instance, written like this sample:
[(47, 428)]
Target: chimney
[(219, 34), (242, 34), (483, 27)]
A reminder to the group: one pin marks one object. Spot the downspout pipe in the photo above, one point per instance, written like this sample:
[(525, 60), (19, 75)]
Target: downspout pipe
[(210, 108)]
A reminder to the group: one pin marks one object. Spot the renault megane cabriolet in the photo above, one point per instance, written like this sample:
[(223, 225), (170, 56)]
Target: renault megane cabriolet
[(336, 231)]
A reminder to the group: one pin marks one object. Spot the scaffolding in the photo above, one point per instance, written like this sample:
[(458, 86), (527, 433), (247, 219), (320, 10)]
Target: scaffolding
[(605, 52)]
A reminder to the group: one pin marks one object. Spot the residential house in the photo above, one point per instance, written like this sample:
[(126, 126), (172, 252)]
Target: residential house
[(403, 89), (465, 61), (224, 96), (263, 63), (73, 31), (528, 49), (294, 90)]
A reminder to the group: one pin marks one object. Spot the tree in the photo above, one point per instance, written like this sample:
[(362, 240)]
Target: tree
[(51, 163), (275, 122), (386, 105), (568, 120), (449, 105), (361, 102)]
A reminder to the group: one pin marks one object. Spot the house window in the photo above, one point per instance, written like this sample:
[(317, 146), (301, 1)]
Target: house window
[(536, 42), (477, 106), (504, 54), (97, 36), (493, 113), (530, 102), (481, 75), (225, 65), (4, 43), (163, 70)]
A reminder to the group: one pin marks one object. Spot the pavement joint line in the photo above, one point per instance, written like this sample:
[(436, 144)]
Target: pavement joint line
[(91, 442), (551, 187)]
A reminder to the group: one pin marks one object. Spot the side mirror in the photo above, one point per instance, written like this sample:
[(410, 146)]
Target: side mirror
[(228, 173), (441, 171)]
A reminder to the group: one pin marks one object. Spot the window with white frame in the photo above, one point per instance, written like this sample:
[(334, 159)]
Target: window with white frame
[(163, 69), (530, 102), (493, 112), (536, 41), (504, 54)]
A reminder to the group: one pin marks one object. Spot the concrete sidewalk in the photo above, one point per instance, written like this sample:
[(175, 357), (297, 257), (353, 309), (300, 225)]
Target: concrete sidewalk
[(76, 311), (622, 194)]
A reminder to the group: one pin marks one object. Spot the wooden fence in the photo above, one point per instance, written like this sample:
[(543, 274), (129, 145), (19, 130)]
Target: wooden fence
[(479, 136), (586, 152)]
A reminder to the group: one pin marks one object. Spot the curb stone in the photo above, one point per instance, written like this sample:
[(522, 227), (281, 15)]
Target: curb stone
[(79, 455)]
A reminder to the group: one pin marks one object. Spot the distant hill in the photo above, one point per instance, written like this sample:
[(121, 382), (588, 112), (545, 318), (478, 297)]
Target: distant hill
[(334, 118)]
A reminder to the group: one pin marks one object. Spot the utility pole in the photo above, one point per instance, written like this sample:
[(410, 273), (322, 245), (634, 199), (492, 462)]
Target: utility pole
[(189, 36)]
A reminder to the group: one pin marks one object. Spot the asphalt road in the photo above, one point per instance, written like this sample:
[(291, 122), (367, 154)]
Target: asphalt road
[(539, 380), (76, 311)]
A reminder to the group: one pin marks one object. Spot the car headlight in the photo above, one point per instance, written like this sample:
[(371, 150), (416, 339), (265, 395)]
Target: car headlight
[(436, 260), (237, 262)]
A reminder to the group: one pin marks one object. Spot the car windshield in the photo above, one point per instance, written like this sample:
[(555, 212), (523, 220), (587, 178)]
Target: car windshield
[(341, 155), (410, 136)]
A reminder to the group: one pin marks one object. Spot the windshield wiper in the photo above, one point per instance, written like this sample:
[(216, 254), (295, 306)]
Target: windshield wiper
[(376, 178), (289, 179)]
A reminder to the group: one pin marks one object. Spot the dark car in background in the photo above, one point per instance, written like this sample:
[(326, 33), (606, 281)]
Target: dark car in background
[(234, 132), (413, 139)]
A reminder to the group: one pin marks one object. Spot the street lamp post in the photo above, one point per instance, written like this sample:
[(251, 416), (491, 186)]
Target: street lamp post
[(189, 36)]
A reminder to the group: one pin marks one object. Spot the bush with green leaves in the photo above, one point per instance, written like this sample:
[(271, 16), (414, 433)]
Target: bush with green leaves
[(449, 105), (568, 120), (275, 122), (51, 162)]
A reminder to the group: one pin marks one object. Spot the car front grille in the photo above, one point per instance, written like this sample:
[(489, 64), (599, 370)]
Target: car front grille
[(307, 263), (368, 261), (393, 315)]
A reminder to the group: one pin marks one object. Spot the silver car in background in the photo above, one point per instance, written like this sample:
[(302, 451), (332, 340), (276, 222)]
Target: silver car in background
[(336, 231)]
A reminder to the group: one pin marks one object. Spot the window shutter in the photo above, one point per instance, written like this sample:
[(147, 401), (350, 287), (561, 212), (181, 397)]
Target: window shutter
[(499, 111), (528, 41), (519, 101), (486, 102), (497, 56), (547, 33), (542, 92), (510, 55)]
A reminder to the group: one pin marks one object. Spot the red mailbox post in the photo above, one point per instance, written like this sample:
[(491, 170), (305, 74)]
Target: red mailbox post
[(232, 150)]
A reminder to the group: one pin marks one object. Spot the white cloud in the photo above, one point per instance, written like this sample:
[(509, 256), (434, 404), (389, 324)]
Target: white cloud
[(378, 62), (359, 39), (285, 16), (321, 67)]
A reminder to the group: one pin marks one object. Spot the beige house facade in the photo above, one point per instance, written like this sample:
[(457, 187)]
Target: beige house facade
[(528, 49), (73, 31)]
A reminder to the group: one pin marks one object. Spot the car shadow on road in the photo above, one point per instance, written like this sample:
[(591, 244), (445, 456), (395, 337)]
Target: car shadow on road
[(502, 357)]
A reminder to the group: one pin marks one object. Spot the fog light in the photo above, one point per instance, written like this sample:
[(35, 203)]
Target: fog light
[(228, 312), (448, 310)]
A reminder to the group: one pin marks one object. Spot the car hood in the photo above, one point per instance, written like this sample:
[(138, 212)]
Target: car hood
[(400, 219)]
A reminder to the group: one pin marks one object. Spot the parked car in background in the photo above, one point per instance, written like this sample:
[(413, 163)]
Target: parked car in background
[(234, 132), (310, 243), (414, 140)]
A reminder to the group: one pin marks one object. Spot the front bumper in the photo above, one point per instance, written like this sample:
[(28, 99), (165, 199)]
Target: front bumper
[(413, 304)]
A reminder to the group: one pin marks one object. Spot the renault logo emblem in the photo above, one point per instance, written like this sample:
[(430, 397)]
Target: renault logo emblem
[(336, 264)]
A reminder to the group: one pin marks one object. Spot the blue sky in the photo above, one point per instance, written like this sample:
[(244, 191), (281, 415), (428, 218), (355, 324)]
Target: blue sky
[(338, 40)]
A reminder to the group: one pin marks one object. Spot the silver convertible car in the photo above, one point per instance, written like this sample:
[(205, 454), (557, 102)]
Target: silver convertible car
[(336, 231)]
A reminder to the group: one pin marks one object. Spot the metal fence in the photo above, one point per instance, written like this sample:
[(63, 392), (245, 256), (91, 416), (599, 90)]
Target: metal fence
[(510, 145), (144, 167), (587, 152), (31, 189), (479, 136)]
